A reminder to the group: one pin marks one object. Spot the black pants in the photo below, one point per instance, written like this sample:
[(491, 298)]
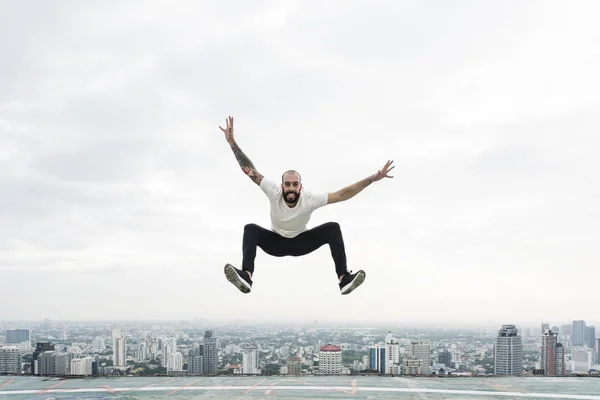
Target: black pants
[(308, 241)]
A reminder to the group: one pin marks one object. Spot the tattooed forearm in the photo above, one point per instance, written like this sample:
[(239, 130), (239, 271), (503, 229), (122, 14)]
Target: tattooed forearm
[(245, 163), (242, 159)]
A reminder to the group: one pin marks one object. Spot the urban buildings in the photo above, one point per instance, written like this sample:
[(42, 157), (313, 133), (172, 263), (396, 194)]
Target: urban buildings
[(184, 349)]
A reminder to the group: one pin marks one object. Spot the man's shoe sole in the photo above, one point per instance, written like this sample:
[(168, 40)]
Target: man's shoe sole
[(233, 277), (358, 280)]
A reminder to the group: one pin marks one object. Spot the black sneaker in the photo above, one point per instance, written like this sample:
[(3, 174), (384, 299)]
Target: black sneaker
[(239, 278), (351, 281)]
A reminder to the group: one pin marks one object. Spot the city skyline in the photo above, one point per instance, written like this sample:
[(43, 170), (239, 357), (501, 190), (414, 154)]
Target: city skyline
[(116, 349), (121, 198)]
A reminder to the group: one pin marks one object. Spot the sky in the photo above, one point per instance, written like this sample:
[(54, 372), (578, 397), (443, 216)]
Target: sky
[(121, 199)]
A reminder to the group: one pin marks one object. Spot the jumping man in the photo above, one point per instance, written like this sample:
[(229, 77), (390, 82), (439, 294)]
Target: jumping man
[(291, 209)]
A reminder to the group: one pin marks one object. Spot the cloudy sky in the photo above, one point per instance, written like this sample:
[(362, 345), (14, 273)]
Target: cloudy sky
[(121, 199)]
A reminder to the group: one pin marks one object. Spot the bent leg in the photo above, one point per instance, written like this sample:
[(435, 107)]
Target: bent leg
[(327, 233), (257, 236)]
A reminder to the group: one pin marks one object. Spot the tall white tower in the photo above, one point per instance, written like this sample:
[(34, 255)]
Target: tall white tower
[(119, 349), (508, 352), (250, 361)]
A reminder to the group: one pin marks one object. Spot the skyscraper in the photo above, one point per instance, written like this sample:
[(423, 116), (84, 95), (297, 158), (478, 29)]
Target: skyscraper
[(590, 337), (508, 352), (250, 360), (445, 357), (578, 333), (209, 353), (559, 359), (553, 354), (377, 358), (119, 349), (392, 355), (423, 351)]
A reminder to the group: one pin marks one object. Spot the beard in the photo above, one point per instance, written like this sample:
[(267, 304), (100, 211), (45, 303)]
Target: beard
[(291, 197)]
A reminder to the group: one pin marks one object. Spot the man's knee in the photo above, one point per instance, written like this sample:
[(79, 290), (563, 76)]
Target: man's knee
[(332, 226), (251, 228)]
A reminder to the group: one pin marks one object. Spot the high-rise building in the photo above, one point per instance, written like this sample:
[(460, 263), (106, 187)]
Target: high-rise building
[(11, 360), (508, 352), (119, 350), (422, 351), (598, 349), (194, 362), (40, 348), (250, 361), (377, 358), (195, 365), (294, 365), (445, 357), (392, 355), (578, 333), (175, 362), (559, 359), (590, 337), (168, 346), (14, 336), (552, 360), (209, 353), (330, 359)]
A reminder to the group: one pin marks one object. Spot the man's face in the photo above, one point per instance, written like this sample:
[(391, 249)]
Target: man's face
[(291, 188)]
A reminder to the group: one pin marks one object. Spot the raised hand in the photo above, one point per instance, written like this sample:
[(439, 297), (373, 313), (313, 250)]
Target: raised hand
[(245, 163), (228, 130), (383, 173)]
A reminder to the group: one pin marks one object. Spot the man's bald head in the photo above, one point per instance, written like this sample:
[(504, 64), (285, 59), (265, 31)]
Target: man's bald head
[(291, 186)]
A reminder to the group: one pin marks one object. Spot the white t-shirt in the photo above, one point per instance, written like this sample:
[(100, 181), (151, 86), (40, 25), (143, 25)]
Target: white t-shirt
[(291, 221)]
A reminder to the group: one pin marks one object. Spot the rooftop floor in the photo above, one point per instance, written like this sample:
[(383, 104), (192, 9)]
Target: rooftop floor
[(312, 387)]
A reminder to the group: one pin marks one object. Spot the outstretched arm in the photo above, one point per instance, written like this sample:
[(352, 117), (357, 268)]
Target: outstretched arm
[(350, 191), (245, 163)]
